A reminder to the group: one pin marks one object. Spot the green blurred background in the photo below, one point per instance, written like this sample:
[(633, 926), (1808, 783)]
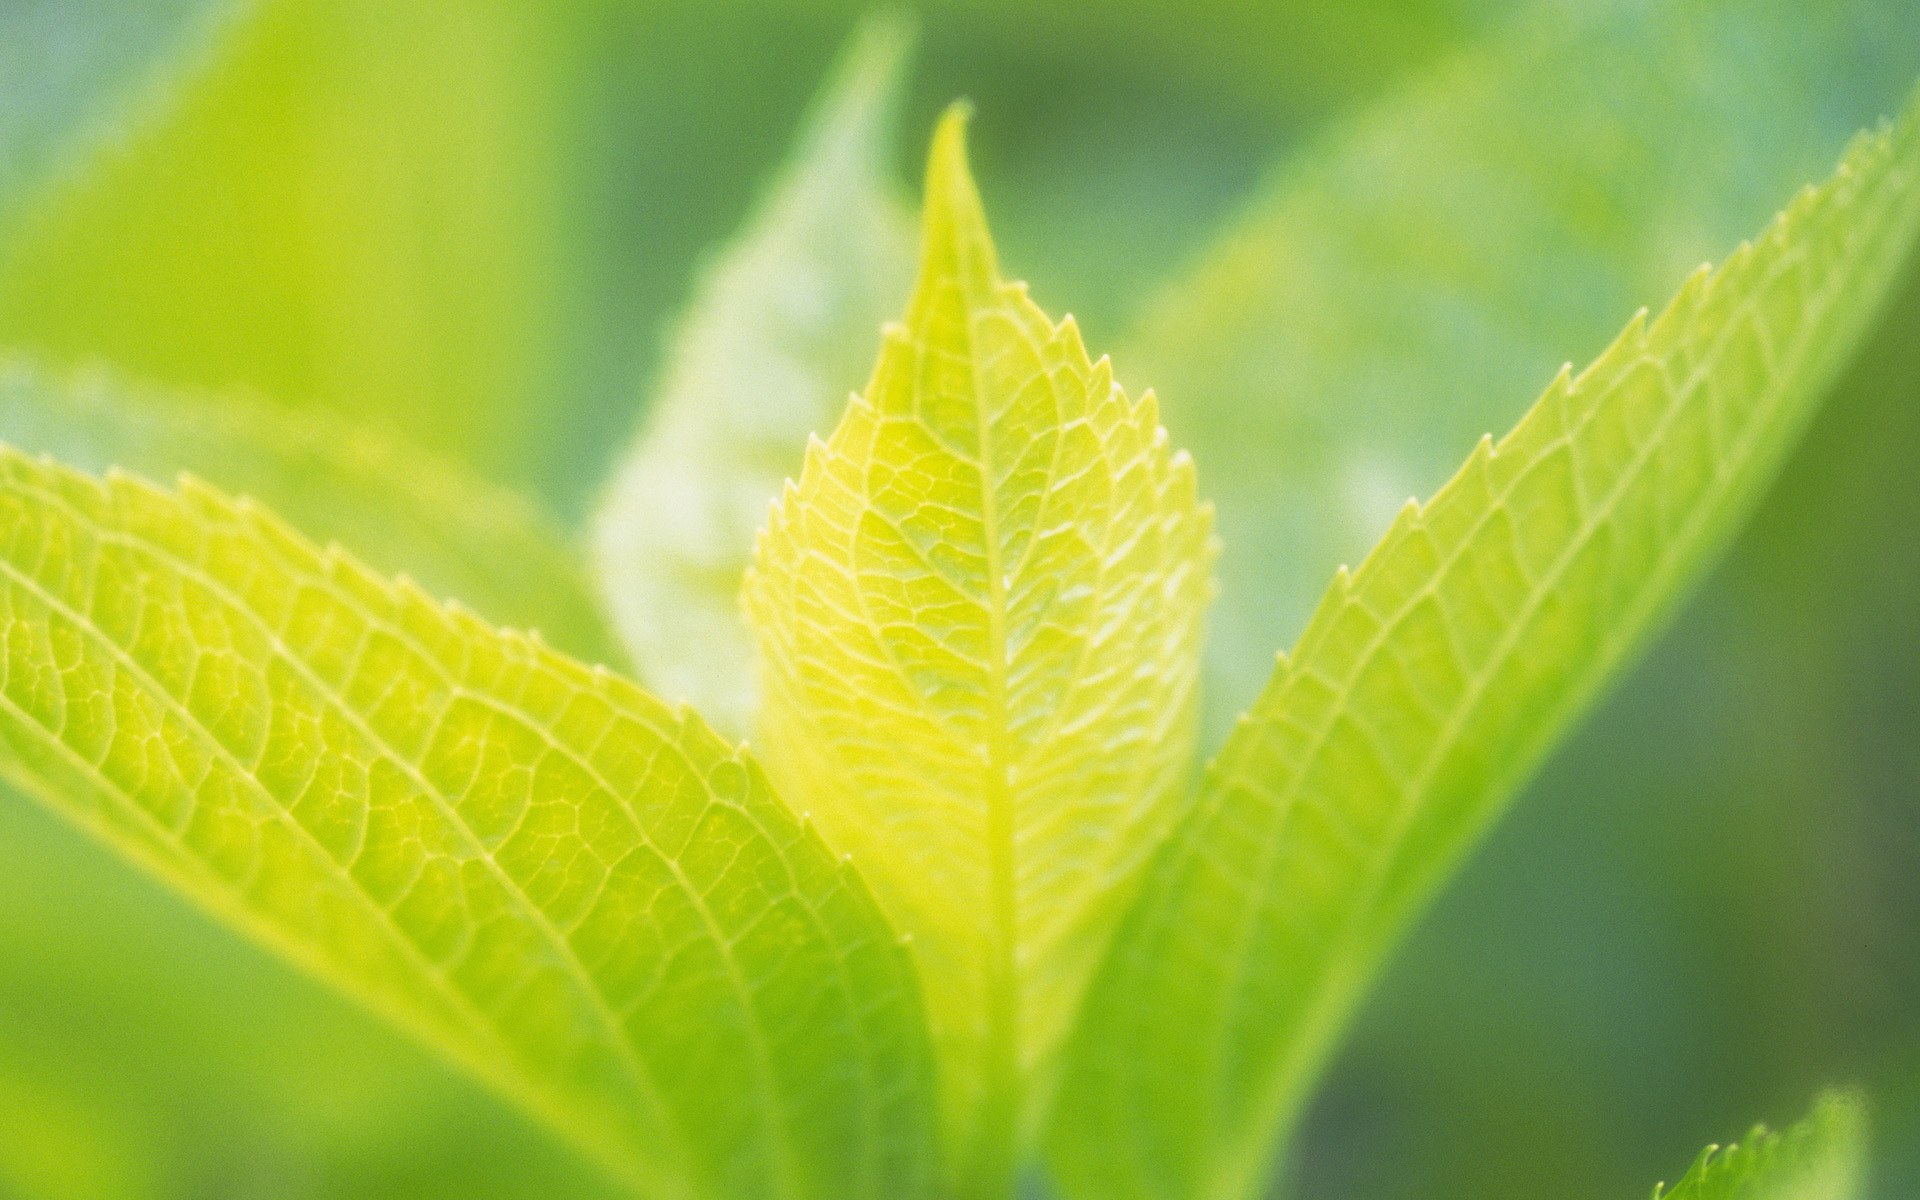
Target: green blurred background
[(473, 221)]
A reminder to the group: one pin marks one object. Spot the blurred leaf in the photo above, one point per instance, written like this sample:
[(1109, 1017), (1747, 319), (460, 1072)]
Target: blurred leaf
[(979, 616), (77, 73), (355, 209), (202, 1066), (780, 331), (1400, 288), (1430, 682), (1821, 1158), (457, 535), (54, 1146), (579, 897)]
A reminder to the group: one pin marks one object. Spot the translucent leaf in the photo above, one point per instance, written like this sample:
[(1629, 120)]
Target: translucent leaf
[(1431, 680), (1408, 278), (75, 72), (1821, 1158), (582, 898), (407, 513), (780, 332), (979, 615)]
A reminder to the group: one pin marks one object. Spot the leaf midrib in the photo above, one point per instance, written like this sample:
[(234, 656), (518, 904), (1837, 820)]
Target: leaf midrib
[(1002, 1093)]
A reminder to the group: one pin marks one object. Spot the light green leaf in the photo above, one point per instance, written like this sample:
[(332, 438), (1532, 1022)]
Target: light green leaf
[(580, 897), (781, 330), (356, 207), (1430, 682), (1405, 283), (979, 614), (74, 72), (407, 513), (1821, 1158)]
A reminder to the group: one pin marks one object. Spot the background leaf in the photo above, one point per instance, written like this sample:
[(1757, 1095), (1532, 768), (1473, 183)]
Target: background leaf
[(1429, 683), (75, 74), (581, 898), (1821, 1158), (1403, 283), (355, 209), (456, 535), (176, 1060), (781, 331)]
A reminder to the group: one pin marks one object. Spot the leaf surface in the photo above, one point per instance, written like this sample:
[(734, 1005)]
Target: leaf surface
[(1402, 285), (780, 332), (583, 898), (1429, 682), (1821, 1158), (454, 533), (979, 615)]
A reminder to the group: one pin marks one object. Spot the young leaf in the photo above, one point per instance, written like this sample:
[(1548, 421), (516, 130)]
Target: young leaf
[(72, 70), (780, 329), (979, 614), (406, 512), (1821, 1158), (1430, 681), (579, 896), (1409, 278)]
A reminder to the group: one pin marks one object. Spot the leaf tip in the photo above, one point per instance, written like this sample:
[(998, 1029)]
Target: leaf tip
[(958, 244)]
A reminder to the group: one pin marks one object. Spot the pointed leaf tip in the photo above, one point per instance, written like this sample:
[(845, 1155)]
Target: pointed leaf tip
[(958, 243)]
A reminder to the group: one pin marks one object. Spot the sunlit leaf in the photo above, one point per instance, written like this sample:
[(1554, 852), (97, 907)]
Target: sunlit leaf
[(584, 899), (1430, 682), (1821, 1158), (1404, 283), (979, 614), (453, 533), (781, 330)]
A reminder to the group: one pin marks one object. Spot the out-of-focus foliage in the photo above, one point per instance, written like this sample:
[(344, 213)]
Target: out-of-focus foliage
[(1410, 279), (471, 224), (78, 76), (1821, 1158), (780, 325), (456, 535)]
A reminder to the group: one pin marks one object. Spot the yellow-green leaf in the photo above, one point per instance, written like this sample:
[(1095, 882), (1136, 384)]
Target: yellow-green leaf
[(779, 334), (358, 206), (1405, 280), (585, 899), (1430, 681), (1821, 1158), (406, 512), (979, 614)]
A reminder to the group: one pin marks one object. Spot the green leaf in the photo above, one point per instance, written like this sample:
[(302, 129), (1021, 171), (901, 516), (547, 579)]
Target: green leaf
[(407, 513), (73, 73), (354, 208), (1821, 1158), (781, 329), (979, 614), (582, 898), (1430, 681), (1405, 283)]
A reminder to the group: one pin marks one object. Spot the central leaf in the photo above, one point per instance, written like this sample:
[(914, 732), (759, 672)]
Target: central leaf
[(979, 615)]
